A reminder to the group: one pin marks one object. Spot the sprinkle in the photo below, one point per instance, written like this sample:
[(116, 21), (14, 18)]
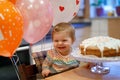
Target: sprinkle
[(2, 16)]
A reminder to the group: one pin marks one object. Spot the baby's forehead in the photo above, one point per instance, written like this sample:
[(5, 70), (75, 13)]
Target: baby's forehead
[(62, 35), (62, 32)]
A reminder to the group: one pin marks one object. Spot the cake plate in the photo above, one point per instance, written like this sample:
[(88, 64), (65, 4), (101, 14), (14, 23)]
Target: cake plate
[(98, 67)]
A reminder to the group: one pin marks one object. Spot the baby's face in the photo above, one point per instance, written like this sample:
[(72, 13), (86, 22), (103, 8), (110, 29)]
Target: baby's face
[(62, 42)]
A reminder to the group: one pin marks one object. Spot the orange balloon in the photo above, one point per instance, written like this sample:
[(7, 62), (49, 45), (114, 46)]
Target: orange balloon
[(13, 1), (11, 28)]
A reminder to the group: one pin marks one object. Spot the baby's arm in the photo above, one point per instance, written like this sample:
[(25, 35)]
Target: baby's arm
[(45, 66)]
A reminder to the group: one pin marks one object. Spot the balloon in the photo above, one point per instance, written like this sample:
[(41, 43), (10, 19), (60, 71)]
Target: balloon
[(64, 10), (13, 1), (38, 18), (11, 28)]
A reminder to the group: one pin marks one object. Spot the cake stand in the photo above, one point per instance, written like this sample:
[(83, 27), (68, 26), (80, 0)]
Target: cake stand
[(98, 67)]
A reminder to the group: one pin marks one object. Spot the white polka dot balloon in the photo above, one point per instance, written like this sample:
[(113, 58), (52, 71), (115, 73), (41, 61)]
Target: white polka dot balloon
[(64, 10)]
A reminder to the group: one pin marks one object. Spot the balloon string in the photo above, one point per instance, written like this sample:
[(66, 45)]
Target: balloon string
[(31, 45), (30, 53), (15, 65), (43, 44), (17, 60)]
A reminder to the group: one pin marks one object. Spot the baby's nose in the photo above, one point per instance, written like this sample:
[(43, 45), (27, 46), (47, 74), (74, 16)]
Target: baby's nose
[(60, 42)]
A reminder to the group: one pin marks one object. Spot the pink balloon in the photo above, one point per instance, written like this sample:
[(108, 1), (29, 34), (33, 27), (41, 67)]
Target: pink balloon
[(64, 10), (38, 18)]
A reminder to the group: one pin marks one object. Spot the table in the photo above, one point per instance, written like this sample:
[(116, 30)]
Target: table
[(84, 73)]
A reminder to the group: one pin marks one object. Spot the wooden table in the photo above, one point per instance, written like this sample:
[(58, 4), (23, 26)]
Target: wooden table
[(83, 73)]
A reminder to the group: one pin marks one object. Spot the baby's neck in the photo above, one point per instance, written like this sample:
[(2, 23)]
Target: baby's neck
[(65, 53)]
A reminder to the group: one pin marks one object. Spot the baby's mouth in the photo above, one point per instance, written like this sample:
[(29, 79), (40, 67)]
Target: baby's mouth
[(61, 47)]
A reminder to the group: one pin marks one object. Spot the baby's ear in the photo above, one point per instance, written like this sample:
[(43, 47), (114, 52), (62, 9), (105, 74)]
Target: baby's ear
[(74, 40)]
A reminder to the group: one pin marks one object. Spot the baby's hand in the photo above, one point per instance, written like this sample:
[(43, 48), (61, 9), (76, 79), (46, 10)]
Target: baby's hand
[(45, 72)]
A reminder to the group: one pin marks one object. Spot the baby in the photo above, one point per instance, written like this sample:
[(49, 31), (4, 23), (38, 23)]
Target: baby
[(59, 58)]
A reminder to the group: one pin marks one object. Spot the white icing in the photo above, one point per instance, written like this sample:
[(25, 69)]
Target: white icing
[(101, 42)]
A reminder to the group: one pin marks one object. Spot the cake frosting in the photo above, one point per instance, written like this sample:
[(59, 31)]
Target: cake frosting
[(101, 42)]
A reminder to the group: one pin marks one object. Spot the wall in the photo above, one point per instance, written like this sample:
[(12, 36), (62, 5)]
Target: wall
[(114, 27)]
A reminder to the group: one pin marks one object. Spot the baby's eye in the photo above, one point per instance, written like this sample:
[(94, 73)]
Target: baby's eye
[(64, 40), (55, 40)]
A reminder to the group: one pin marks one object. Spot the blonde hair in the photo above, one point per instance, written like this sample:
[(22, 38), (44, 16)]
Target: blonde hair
[(67, 27)]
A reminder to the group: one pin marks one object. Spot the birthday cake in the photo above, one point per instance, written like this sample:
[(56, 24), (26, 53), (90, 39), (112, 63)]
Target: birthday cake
[(101, 46)]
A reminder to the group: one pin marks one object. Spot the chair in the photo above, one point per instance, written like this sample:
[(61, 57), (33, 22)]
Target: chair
[(39, 58), (28, 72)]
